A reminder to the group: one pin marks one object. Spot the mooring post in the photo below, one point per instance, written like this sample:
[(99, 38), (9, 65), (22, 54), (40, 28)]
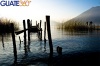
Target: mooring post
[(40, 31), (14, 44), (41, 34), (24, 26), (28, 25), (36, 23), (20, 39), (31, 23), (40, 23), (45, 32), (49, 36)]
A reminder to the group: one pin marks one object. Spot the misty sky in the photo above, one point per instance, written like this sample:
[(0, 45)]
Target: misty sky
[(59, 10)]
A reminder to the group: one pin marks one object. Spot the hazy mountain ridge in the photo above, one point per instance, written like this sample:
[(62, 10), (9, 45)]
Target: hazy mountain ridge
[(93, 14)]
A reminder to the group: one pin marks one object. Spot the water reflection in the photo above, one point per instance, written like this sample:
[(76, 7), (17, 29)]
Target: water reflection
[(73, 32), (4, 38), (77, 40), (68, 40), (28, 46), (19, 43), (3, 42), (40, 47), (45, 45)]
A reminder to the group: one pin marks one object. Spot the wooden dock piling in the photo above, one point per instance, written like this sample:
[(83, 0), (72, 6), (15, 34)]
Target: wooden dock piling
[(36, 29), (20, 39), (28, 25), (40, 31), (41, 34), (31, 23), (40, 23), (24, 26), (45, 32), (36, 23), (14, 44), (49, 36)]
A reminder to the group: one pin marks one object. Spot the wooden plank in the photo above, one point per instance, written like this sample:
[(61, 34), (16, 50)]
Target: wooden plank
[(21, 31), (32, 29)]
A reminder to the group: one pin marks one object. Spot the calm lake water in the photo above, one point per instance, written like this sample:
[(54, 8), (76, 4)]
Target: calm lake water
[(69, 41)]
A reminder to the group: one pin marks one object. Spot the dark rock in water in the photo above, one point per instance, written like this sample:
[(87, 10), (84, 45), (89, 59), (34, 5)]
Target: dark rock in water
[(59, 50)]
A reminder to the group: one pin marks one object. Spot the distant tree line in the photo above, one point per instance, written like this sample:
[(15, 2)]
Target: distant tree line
[(76, 25)]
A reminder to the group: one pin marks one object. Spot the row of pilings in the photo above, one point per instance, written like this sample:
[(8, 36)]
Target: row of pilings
[(38, 30)]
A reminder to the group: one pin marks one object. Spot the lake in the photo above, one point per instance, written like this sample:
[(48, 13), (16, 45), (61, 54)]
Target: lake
[(70, 42)]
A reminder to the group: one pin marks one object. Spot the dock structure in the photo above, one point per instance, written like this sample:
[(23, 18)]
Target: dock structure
[(33, 29)]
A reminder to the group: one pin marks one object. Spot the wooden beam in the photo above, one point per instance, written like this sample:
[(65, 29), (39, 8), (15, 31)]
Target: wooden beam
[(21, 31)]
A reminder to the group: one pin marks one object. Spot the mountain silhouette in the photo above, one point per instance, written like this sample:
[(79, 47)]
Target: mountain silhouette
[(93, 14)]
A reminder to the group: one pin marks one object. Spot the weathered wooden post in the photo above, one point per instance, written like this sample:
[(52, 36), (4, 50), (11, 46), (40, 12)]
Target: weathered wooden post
[(44, 36), (24, 26), (28, 25), (45, 32), (20, 39), (41, 34), (40, 31), (20, 42), (14, 44), (36, 23), (40, 23), (49, 36)]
